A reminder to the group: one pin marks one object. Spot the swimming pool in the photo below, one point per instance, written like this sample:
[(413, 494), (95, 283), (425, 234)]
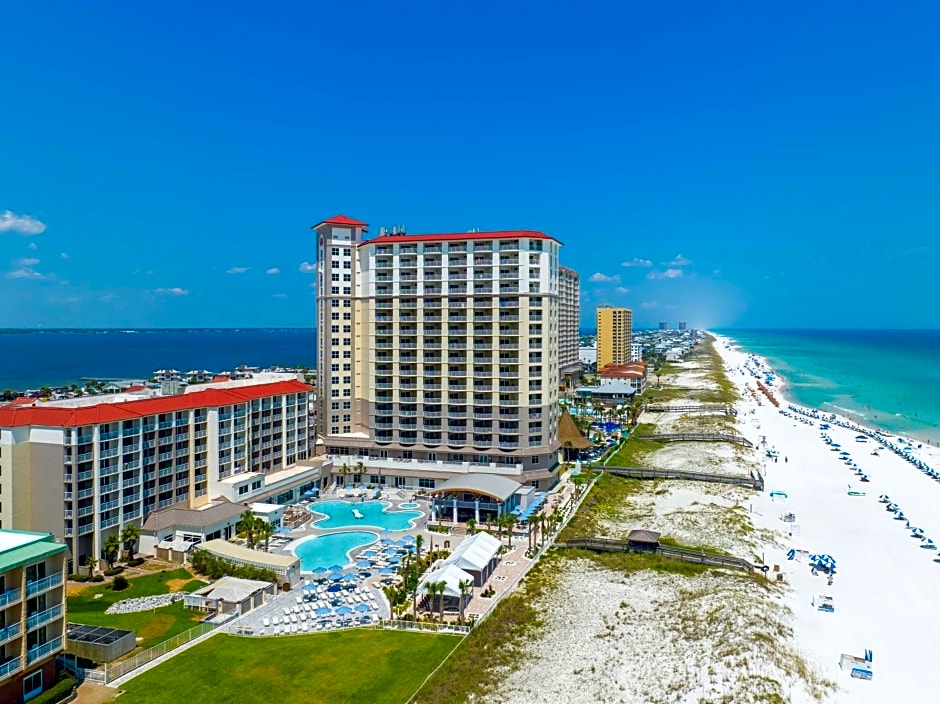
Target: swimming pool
[(339, 514), (410, 504), (323, 551)]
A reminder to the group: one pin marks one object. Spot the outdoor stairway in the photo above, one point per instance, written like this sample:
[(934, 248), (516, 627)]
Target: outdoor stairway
[(754, 481)]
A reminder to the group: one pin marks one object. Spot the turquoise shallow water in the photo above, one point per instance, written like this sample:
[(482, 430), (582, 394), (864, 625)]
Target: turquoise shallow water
[(340, 515), (888, 379), (324, 551)]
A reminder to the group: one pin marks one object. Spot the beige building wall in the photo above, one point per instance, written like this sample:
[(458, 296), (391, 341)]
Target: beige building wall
[(614, 335)]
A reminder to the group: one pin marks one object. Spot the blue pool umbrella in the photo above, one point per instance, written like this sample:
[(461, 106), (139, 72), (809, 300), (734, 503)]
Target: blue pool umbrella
[(320, 570), (343, 610), (385, 533), (400, 543), (310, 587), (363, 564), (363, 608), (335, 577), (368, 553), (334, 588), (323, 611), (394, 559), (386, 541), (336, 568), (409, 538), (385, 570), (349, 577)]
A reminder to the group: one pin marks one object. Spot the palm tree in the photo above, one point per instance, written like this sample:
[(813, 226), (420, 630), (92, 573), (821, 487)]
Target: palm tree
[(112, 546), (509, 519), (419, 543), (471, 526), (568, 446), (414, 593), (248, 526), (441, 587), (129, 536), (344, 472), (464, 585), (264, 532), (360, 467), (91, 563)]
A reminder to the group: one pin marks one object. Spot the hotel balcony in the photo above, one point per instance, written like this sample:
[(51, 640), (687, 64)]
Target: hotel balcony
[(43, 585), (10, 667), (10, 596), (10, 632), (43, 617), (41, 651)]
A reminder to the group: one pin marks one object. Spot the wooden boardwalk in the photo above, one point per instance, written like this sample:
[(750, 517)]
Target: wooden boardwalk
[(684, 554), (754, 481), (697, 437), (692, 408)]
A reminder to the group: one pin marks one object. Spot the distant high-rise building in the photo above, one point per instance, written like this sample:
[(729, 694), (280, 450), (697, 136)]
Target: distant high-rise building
[(683, 326), (663, 325), (569, 317), (438, 356), (614, 335)]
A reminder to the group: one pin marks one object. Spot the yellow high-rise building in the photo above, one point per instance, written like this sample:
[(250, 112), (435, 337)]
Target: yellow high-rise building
[(614, 335)]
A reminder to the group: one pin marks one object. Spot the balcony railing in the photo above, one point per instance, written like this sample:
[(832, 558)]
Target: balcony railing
[(8, 668), (43, 617), (9, 632), (10, 596), (41, 585), (41, 651)]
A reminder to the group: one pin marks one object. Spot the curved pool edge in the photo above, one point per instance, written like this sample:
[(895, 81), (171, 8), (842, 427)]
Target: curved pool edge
[(349, 560), (386, 505)]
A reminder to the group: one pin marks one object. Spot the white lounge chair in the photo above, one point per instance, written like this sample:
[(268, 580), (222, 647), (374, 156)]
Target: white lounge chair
[(266, 621)]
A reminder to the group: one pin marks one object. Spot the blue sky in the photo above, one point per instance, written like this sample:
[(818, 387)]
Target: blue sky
[(727, 164)]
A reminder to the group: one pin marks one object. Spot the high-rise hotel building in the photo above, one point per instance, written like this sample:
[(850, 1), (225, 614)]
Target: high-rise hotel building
[(84, 468), (614, 335), (569, 323), (438, 354)]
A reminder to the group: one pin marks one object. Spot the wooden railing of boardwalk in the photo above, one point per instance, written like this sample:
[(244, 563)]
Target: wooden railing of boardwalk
[(692, 408), (697, 437), (684, 554), (754, 481)]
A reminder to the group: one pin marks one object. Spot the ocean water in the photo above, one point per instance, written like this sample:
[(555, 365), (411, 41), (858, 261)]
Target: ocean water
[(30, 359), (888, 379)]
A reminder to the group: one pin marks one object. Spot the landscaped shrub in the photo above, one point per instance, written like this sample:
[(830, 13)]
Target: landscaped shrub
[(215, 567), (136, 562), (98, 578), (112, 572), (120, 583), (79, 577), (57, 692)]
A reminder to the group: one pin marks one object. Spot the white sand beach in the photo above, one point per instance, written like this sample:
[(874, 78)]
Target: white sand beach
[(647, 637)]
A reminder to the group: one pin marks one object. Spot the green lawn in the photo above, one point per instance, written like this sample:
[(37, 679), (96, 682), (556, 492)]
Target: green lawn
[(152, 626), (347, 666)]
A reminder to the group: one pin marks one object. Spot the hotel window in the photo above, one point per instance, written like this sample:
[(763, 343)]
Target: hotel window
[(347, 392), (346, 289), (347, 277), (334, 418), (347, 328), (347, 429), (347, 265), (334, 265), (335, 405), (335, 251), (347, 304), (347, 367), (334, 367), (347, 354), (347, 380), (346, 251), (334, 341), (347, 405), (335, 277), (334, 354), (347, 417), (347, 316), (334, 315), (334, 290), (347, 341), (334, 329)]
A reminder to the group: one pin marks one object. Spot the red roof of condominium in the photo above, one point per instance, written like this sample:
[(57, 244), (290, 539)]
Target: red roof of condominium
[(494, 235), (58, 416), (342, 220)]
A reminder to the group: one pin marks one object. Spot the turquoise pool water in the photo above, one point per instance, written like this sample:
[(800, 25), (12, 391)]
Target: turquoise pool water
[(332, 549), (339, 514), (408, 505)]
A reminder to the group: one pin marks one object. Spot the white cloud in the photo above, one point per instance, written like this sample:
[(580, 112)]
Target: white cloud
[(33, 246), (307, 268), (26, 272), (175, 291), (600, 278), (64, 255), (20, 224), (279, 295), (108, 297), (273, 270), (636, 261), (668, 274), (678, 261), (26, 261), (622, 289), (649, 304), (238, 270)]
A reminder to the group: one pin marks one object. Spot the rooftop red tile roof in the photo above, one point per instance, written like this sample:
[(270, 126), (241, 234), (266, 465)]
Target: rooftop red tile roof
[(342, 220), (493, 235), (105, 412)]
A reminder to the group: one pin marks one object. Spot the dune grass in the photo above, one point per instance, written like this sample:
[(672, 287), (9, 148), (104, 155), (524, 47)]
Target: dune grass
[(346, 666)]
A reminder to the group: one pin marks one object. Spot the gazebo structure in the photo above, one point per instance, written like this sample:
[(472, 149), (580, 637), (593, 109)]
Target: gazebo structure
[(475, 495), (569, 436), (643, 540)]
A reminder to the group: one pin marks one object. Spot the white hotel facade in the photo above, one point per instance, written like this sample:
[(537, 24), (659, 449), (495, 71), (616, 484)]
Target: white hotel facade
[(438, 355), (84, 468)]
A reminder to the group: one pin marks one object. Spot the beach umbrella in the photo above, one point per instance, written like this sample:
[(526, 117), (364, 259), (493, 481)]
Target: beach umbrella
[(394, 559), (336, 568), (385, 533), (334, 588), (386, 541), (323, 611), (400, 543), (387, 570), (310, 588), (335, 577), (343, 610), (409, 539), (368, 553), (349, 577), (363, 564), (320, 570), (362, 608)]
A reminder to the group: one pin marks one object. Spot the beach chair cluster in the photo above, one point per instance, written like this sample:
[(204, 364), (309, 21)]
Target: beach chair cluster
[(846, 458), (917, 533), (800, 418), (357, 608)]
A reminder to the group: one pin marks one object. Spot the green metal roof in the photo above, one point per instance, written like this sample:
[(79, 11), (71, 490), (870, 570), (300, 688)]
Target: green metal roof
[(24, 554)]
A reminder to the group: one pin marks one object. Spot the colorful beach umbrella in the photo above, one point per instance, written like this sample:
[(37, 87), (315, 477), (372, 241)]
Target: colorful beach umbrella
[(343, 610), (362, 608), (323, 611)]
